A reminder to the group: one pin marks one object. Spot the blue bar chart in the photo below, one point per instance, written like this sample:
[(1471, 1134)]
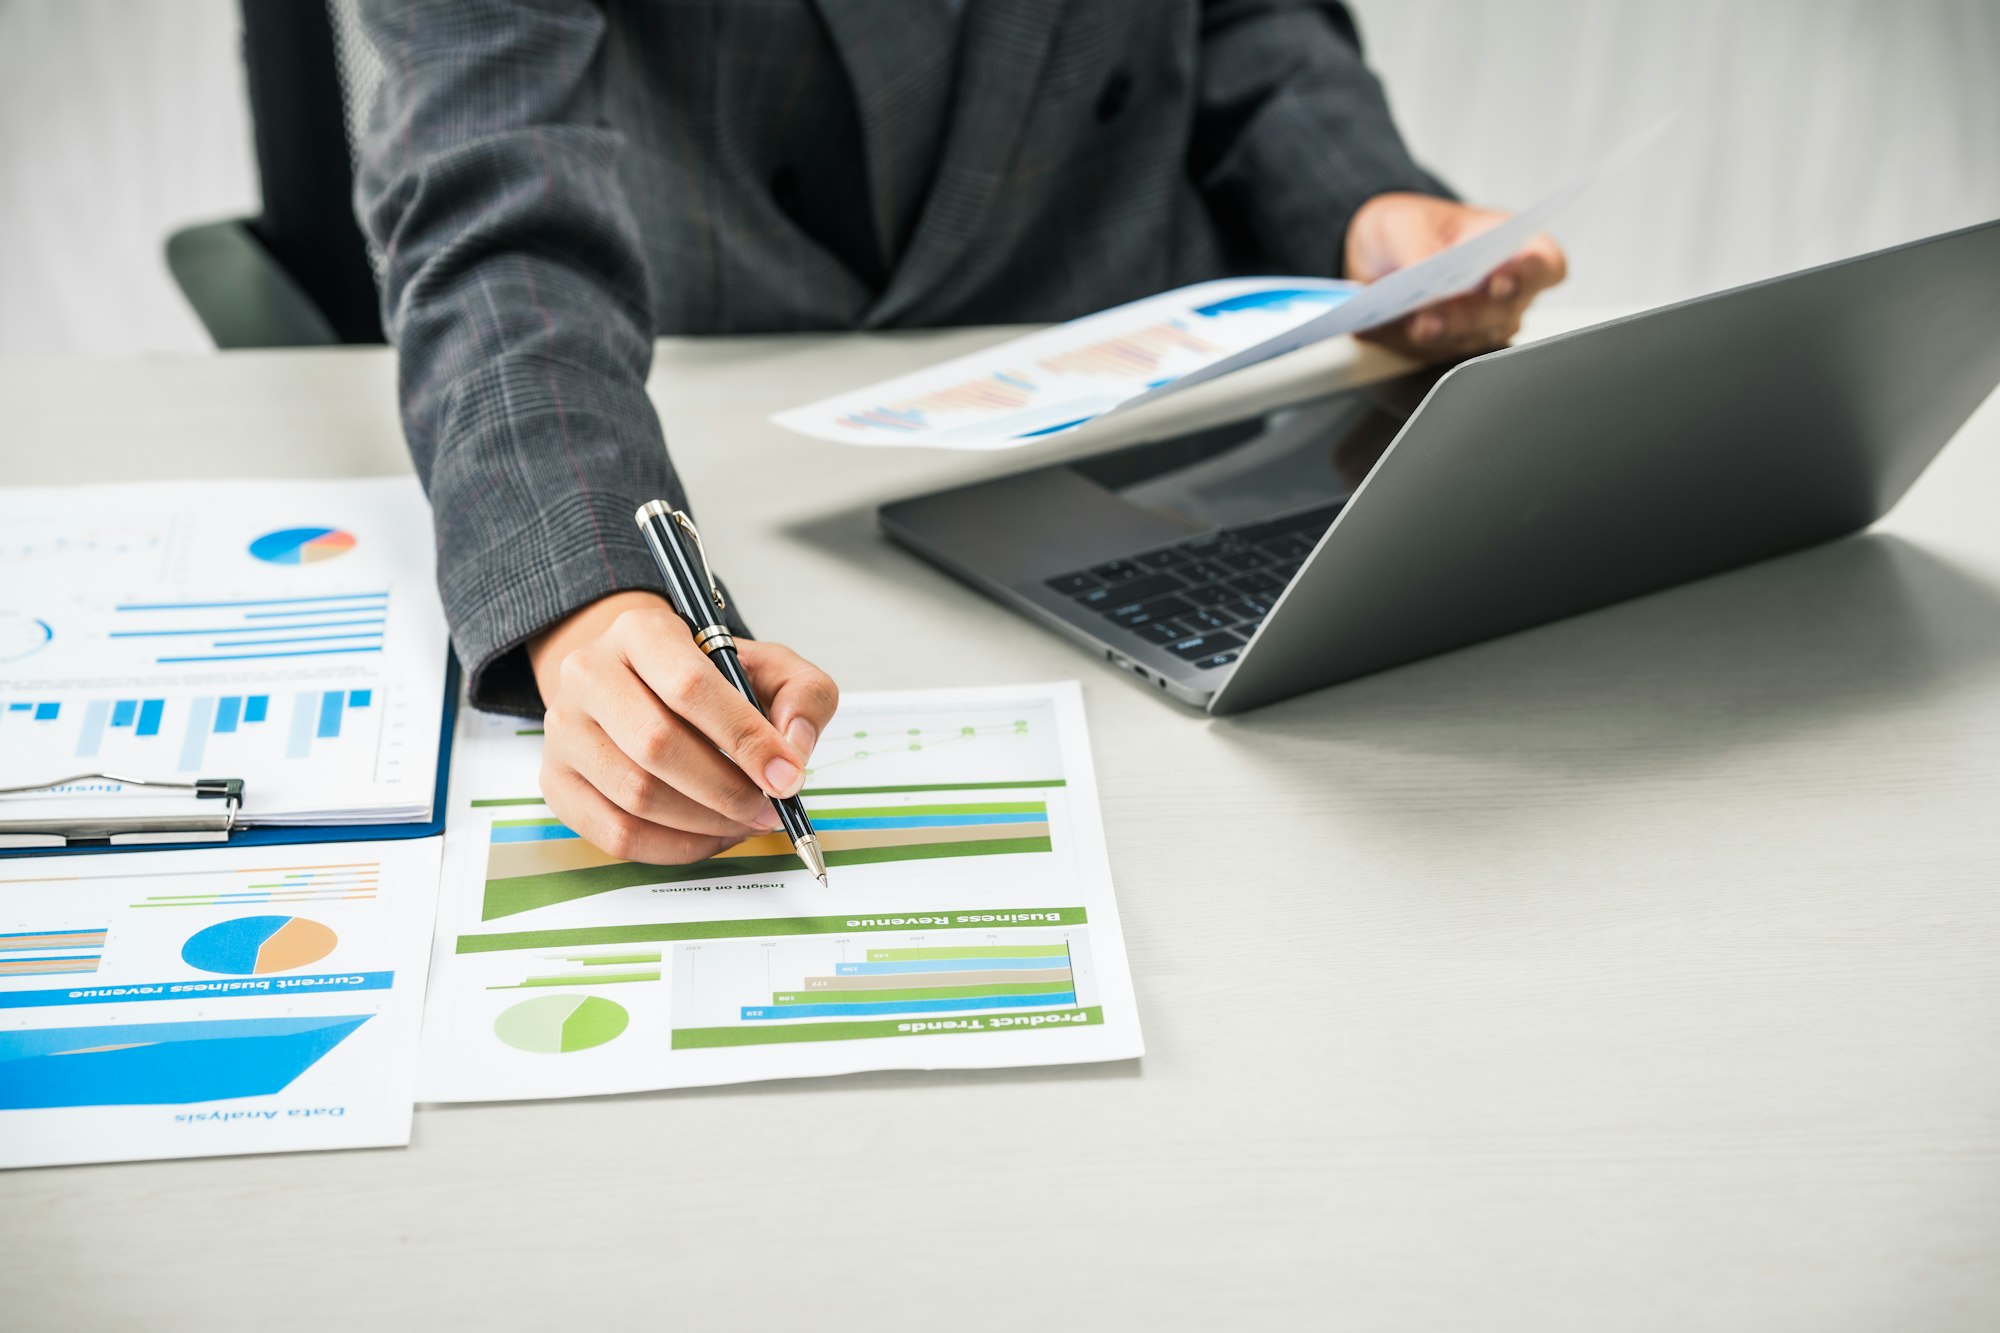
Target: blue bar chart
[(253, 629), (183, 729)]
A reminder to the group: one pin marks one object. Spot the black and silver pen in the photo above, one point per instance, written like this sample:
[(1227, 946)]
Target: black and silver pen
[(696, 596)]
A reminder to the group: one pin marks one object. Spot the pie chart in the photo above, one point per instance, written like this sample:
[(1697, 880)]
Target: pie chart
[(254, 945), (302, 546), (560, 1024), (22, 636)]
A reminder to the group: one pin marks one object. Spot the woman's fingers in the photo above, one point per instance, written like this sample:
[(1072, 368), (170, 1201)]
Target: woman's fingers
[(660, 652), (1536, 267), (591, 753), (646, 730), (1487, 317), (616, 832), (649, 751), (799, 696)]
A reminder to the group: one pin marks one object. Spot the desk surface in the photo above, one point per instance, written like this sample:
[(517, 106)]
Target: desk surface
[(1637, 972)]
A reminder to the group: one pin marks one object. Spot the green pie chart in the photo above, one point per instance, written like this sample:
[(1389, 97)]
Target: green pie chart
[(559, 1024)]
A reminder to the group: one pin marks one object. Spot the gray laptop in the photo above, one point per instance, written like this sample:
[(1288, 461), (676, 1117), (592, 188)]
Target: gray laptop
[(1232, 567)]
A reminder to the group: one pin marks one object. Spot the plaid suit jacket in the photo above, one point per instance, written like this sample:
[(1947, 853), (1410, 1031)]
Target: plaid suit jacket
[(551, 183)]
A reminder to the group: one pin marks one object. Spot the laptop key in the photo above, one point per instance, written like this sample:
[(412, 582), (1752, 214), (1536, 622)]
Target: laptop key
[(1205, 645), (1215, 660), (1207, 571), (1073, 583), (1247, 608), (1116, 571), (1162, 631), (1257, 581), (1313, 521), (1206, 619), (1160, 608), (1114, 595), (1205, 545), (1244, 560), (1166, 559)]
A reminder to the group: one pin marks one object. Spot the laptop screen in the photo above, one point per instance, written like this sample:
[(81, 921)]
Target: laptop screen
[(1300, 457)]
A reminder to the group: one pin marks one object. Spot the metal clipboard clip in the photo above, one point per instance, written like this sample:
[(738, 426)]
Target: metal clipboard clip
[(210, 823)]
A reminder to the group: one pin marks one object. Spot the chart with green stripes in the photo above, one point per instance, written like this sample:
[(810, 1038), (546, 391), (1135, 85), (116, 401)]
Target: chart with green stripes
[(535, 860), (969, 919), (805, 986), (886, 785)]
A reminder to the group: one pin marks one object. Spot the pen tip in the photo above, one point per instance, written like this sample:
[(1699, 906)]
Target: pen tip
[(822, 880)]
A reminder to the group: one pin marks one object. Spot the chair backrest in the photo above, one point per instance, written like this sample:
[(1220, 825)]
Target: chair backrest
[(306, 90)]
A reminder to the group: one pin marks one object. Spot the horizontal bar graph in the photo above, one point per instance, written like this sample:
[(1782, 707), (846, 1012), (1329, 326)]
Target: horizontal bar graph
[(538, 861), (255, 629), (942, 991), (878, 1009), (895, 981), (604, 969), (349, 883), (587, 979), (931, 980), (1040, 960), (46, 953)]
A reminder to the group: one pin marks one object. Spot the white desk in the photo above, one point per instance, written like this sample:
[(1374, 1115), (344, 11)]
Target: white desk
[(1639, 972)]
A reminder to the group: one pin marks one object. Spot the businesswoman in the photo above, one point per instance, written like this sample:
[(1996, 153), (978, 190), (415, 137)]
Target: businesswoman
[(550, 184)]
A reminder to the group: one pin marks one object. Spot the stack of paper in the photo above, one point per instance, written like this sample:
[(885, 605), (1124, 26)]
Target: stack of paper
[(284, 633), (266, 999)]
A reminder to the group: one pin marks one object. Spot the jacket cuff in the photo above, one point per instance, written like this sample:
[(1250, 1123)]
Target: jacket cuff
[(499, 597), (497, 602), (1326, 187)]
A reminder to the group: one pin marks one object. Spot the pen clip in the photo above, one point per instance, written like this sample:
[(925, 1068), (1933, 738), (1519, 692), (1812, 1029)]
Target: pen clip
[(686, 525)]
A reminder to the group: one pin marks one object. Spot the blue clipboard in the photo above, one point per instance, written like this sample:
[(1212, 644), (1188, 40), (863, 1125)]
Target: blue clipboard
[(253, 835)]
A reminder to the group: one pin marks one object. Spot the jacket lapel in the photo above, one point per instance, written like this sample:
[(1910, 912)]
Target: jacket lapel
[(899, 60), (1000, 51)]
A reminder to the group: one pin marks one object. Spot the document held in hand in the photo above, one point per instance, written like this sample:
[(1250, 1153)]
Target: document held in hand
[(1063, 378)]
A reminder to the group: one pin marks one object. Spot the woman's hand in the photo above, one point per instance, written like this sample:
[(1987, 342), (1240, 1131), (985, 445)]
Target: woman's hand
[(1393, 231), (648, 752)]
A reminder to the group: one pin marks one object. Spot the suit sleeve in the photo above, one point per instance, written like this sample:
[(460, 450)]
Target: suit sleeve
[(1292, 132), (516, 293)]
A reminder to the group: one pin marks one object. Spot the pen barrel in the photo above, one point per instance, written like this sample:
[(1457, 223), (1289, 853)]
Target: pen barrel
[(692, 589), (731, 666), (790, 809), (687, 586)]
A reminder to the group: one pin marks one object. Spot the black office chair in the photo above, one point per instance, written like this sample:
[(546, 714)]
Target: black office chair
[(300, 273)]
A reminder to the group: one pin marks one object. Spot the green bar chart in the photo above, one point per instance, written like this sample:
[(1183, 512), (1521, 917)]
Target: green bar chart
[(743, 992)]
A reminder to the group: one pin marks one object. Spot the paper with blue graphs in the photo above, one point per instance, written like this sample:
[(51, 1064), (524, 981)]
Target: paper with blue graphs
[(286, 633), (211, 1001), (1055, 381)]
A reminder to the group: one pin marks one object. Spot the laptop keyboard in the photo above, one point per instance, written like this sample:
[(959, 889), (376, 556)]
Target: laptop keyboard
[(1203, 598)]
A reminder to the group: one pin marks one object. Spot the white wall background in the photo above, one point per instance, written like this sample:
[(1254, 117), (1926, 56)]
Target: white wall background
[(1811, 129)]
